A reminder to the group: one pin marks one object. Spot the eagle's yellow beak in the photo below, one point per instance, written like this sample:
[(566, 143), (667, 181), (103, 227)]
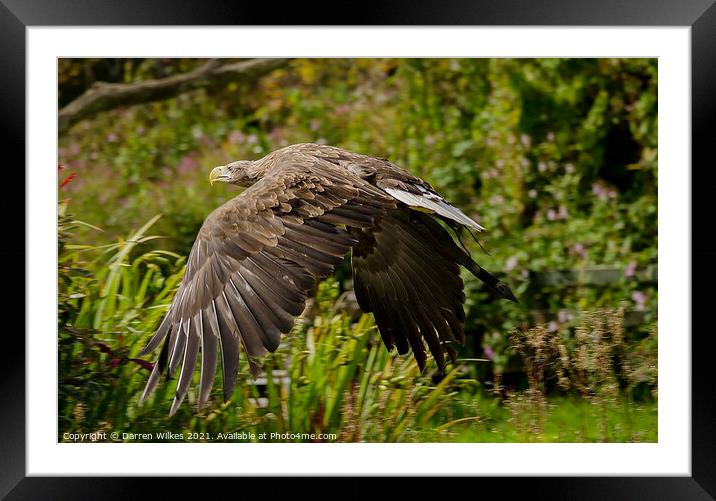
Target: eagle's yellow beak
[(216, 174)]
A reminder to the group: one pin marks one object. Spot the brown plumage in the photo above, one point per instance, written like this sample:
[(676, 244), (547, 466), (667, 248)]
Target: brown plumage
[(257, 256)]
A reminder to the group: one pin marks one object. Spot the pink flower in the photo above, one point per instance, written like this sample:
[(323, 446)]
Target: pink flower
[(639, 298), (488, 352), (603, 192), (578, 250), (564, 316), (187, 164), (563, 213), (630, 269), (525, 140), (236, 137), (343, 109)]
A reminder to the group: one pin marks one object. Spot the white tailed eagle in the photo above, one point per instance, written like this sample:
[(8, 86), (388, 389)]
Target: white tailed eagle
[(257, 257)]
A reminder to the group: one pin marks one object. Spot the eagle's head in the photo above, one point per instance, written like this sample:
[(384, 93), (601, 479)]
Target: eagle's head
[(241, 173)]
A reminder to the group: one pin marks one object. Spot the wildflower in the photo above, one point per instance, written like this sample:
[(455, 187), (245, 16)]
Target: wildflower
[(532, 193), (541, 166), (68, 180), (236, 137), (511, 263), (111, 137), (314, 124), (603, 192), (343, 109), (187, 164), (563, 213), (275, 134), (564, 316), (489, 353), (579, 250), (569, 168), (550, 137), (552, 326), (639, 298), (525, 140), (630, 269)]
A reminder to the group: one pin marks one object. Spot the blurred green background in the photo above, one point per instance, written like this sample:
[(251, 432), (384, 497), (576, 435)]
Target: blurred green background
[(557, 158)]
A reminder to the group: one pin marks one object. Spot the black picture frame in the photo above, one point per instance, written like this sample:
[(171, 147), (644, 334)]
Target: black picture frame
[(699, 15)]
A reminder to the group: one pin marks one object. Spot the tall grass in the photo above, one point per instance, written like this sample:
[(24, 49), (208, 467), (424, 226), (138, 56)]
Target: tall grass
[(331, 375)]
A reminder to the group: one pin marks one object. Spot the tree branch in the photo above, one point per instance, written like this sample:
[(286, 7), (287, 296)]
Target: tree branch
[(104, 96)]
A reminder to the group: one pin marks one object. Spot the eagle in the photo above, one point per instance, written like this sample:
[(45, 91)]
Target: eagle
[(257, 257)]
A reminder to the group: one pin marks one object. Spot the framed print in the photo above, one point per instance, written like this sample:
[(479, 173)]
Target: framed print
[(425, 243)]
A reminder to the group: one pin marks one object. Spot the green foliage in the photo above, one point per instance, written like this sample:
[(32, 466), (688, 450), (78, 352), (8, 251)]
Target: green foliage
[(557, 158)]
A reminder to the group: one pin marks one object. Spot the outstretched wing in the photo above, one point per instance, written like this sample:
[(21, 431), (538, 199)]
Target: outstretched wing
[(251, 266), (406, 271)]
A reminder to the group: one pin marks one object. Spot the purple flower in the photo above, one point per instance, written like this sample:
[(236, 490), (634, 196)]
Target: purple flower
[(343, 109), (564, 316), (187, 164), (252, 139), (314, 125), (490, 174), (542, 166), (276, 134), (603, 192), (111, 137), (630, 269), (525, 140), (563, 213), (552, 326), (511, 263), (639, 298), (236, 137), (488, 352), (579, 250)]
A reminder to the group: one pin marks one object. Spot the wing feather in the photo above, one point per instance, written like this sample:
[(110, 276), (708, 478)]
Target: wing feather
[(405, 262), (252, 265)]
